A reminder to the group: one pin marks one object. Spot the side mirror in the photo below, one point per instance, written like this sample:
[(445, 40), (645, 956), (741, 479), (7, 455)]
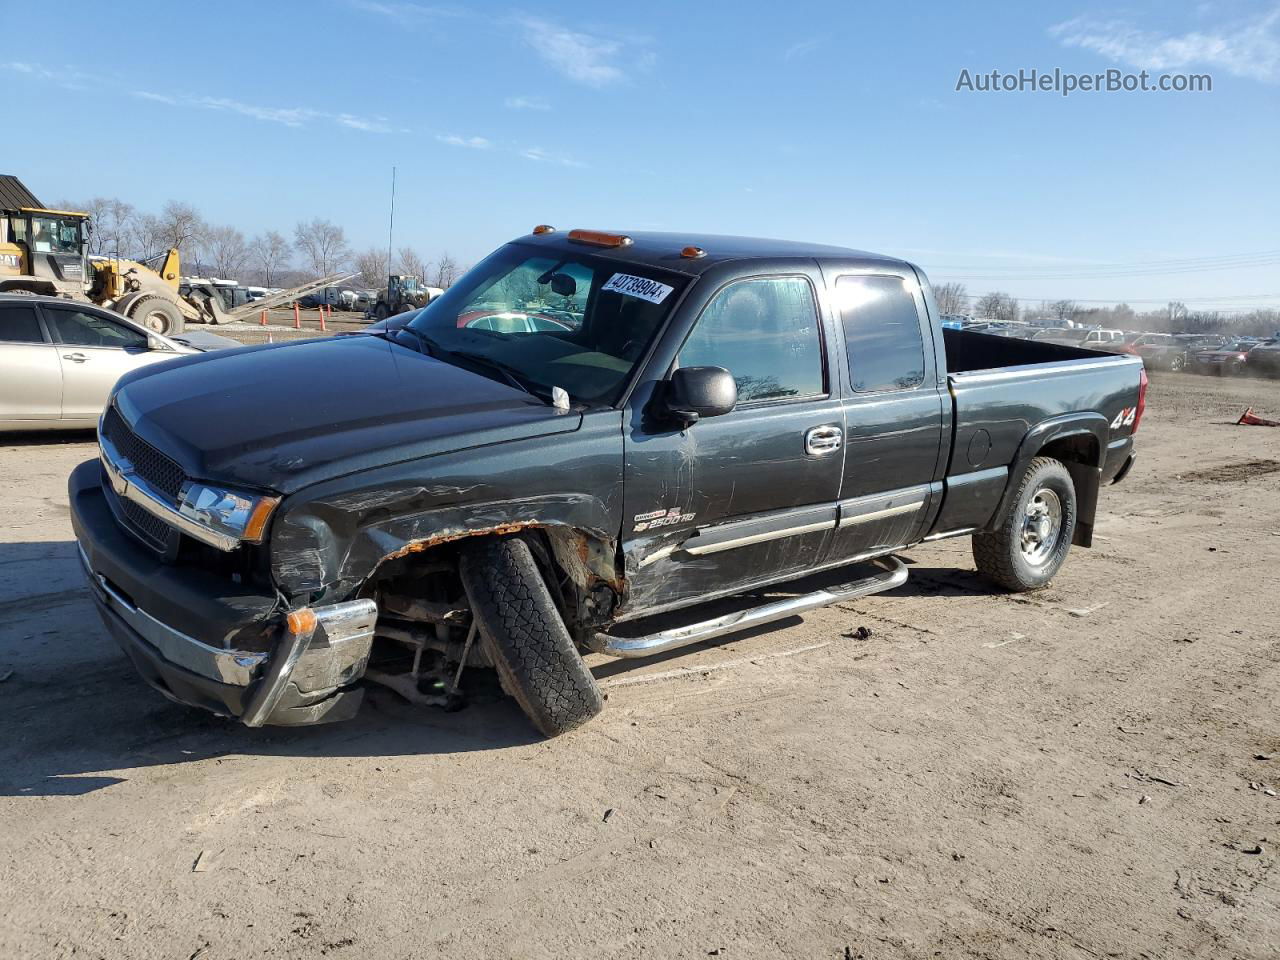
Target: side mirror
[(155, 343), (694, 393)]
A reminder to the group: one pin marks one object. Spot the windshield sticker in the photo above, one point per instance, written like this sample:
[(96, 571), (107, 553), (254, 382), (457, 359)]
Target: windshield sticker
[(625, 283)]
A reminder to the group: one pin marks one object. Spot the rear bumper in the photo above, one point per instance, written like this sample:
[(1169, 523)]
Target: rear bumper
[(304, 672)]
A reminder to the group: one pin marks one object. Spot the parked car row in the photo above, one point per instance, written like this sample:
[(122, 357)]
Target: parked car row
[(1218, 354)]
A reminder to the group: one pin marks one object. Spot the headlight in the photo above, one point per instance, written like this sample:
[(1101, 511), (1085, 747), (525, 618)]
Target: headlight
[(231, 512)]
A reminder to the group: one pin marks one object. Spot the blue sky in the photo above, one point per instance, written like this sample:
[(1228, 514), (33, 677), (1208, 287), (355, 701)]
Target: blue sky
[(834, 122)]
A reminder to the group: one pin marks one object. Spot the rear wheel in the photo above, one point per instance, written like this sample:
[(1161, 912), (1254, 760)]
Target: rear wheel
[(380, 312), (1177, 362), (1031, 544), (525, 637), (157, 314)]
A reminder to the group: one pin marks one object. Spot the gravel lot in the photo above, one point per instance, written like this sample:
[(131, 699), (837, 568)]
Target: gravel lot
[(1089, 771)]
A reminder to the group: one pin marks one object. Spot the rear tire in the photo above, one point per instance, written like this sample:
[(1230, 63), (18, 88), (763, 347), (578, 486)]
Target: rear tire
[(380, 312), (1177, 362), (1029, 547), (158, 315), (525, 636)]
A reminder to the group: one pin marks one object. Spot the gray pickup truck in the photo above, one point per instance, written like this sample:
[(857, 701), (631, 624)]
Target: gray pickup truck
[(589, 443)]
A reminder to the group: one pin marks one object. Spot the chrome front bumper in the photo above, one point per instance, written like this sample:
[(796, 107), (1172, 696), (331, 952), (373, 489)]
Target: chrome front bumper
[(318, 651)]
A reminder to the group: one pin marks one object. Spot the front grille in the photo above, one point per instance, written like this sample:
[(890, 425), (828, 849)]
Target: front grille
[(158, 470), (151, 528)]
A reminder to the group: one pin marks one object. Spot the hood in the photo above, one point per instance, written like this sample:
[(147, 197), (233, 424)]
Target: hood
[(285, 416)]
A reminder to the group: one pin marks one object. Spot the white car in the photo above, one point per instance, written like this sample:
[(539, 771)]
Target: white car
[(59, 359)]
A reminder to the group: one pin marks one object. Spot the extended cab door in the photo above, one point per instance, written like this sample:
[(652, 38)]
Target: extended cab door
[(749, 496), (30, 377), (95, 351), (893, 409)]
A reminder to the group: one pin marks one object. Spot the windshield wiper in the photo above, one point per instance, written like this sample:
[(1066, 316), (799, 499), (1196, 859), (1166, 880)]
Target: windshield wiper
[(508, 372), (429, 346)]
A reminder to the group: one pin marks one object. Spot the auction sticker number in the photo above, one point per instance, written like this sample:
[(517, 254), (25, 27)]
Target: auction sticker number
[(644, 289)]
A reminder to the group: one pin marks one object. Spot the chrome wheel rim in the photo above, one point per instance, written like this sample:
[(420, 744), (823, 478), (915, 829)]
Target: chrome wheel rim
[(1041, 525), (156, 321)]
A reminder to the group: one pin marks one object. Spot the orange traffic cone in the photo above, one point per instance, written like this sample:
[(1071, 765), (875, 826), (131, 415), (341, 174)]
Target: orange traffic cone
[(1248, 418)]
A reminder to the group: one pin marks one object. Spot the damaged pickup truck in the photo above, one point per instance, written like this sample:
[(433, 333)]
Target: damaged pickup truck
[(591, 442)]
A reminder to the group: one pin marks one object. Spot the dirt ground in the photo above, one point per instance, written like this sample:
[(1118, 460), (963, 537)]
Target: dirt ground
[(1090, 771)]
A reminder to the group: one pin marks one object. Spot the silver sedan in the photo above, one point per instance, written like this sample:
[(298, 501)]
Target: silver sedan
[(59, 359)]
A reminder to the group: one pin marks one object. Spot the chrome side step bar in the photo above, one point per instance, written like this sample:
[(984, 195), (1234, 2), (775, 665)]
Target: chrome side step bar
[(894, 575)]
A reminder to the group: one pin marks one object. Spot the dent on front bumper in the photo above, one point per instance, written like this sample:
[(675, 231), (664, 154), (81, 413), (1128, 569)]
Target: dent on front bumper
[(305, 675)]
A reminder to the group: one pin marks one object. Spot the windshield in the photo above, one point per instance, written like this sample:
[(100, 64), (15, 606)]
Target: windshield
[(55, 235), (572, 321)]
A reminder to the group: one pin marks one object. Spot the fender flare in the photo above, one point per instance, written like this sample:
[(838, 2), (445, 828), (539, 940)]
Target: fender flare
[(1087, 476)]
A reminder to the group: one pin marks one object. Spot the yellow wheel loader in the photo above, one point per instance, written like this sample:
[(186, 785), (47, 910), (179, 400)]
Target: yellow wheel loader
[(45, 251)]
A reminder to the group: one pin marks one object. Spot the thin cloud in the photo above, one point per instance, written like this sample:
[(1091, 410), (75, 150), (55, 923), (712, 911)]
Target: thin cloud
[(526, 103), (405, 13), (285, 116), (545, 156), (1245, 49), (801, 48), (582, 57), (475, 143), (67, 79)]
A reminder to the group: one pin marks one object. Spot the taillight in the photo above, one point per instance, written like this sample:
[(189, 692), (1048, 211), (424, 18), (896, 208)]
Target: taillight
[(1142, 398)]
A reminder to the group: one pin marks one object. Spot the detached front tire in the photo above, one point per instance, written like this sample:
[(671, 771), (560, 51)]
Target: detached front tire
[(525, 636), (1029, 547)]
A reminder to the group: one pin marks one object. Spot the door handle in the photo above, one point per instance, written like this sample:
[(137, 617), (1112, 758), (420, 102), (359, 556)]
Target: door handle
[(820, 440), (76, 357)]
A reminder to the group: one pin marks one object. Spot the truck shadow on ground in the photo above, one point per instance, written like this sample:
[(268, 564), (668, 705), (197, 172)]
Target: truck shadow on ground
[(75, 717)]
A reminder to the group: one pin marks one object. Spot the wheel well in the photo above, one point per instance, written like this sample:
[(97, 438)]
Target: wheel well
[(1078, 448), (1081, 454), (574, 564)]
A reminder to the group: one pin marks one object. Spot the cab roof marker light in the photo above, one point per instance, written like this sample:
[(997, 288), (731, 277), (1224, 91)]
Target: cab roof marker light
[(693, 253), (543, 228), (599, 238)]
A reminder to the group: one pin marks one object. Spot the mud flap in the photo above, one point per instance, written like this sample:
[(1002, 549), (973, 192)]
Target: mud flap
[(1087, 480)]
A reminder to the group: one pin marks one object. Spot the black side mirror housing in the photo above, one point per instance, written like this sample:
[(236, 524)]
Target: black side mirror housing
[(695, 393)]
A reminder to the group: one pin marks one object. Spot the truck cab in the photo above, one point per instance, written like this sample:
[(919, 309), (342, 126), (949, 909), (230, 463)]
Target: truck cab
[(44, 251)]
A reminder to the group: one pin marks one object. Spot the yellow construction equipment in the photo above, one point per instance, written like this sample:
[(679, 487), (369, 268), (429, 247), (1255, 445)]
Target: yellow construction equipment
[(46, 251)]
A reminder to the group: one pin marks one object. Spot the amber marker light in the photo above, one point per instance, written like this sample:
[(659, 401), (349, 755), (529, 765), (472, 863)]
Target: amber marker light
[(692, 252), (543, 228), (599, 238), (256, 526), (301, 621)]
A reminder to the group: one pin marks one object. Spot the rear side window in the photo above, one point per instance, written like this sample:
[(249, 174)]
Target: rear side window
[(19, 325), (881, 333), (764, 332), (86, 329)]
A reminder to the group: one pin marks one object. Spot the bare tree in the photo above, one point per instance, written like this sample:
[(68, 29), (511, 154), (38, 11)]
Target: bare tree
[(1064, 310), (951, 297), (147, 236), (180, 227), (446, 271), (997, 306), (372, 265), (324, 244), (224, 250), (409, 263), (270, 253), (111, 222)]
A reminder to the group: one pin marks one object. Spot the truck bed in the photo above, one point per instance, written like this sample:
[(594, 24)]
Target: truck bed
[(968, 352), (1001, 389)]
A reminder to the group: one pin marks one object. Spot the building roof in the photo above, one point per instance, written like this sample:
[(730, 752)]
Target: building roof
[(14, 195)]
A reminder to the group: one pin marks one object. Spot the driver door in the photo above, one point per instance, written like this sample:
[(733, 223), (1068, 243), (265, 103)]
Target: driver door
[(749, 496)]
